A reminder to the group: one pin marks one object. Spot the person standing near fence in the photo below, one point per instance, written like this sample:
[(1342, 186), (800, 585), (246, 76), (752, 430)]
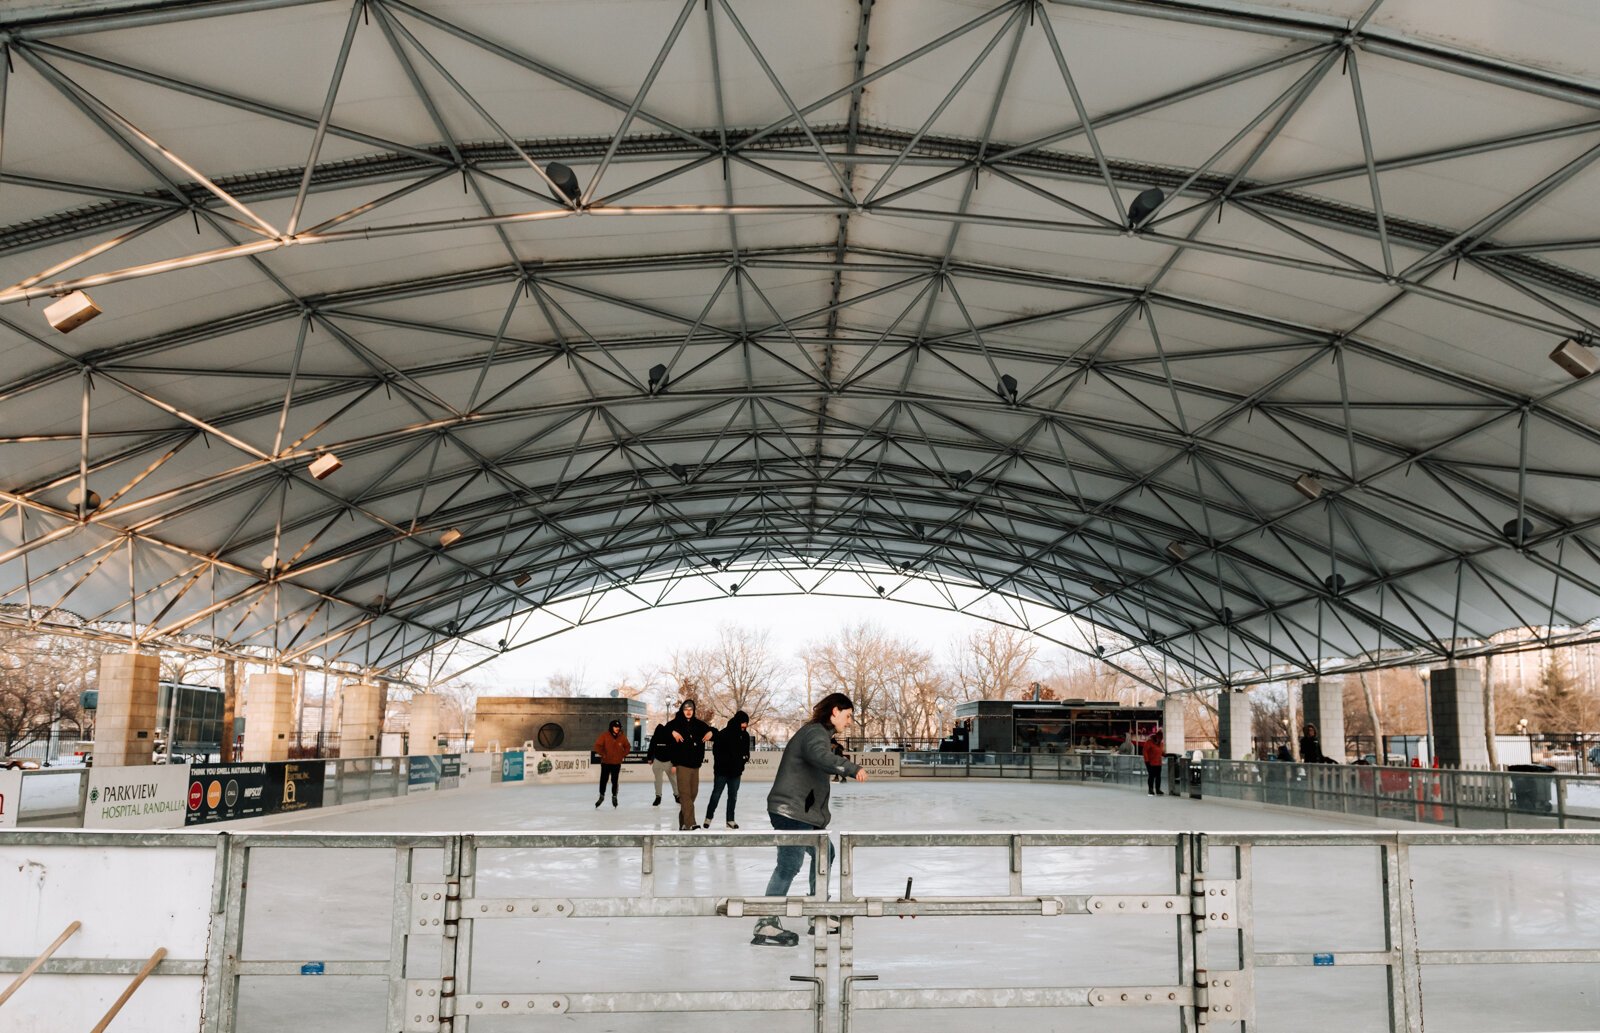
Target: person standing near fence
[(613, 748), (661, 762), (1311, 746), (689, 738), (729, 754), (1153, 750), (798, 802)]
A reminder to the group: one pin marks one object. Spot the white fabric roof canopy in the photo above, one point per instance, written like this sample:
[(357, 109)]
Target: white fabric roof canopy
[(838, 226)]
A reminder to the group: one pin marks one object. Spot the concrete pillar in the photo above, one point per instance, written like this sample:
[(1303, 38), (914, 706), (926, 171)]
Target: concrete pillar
[(1235, 725), (125, 723), (424, 725), (1456, 704), (358, 720), (269, 717), (1324, 707), (1172, 724)]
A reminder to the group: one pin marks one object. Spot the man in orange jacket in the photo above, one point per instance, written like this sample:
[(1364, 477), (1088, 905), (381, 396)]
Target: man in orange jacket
[(1153, 751), (613, 750)]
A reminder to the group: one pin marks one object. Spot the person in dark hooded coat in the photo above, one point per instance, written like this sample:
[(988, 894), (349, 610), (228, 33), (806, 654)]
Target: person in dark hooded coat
[(730, 751)]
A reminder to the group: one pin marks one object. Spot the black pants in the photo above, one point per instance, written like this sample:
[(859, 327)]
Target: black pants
[(1152, 774), (611, 771)]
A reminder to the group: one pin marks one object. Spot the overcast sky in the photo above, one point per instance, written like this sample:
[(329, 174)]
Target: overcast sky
[(606, 652)]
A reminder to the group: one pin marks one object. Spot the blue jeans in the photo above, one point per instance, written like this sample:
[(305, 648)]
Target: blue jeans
[(790, 857), (731, 783)]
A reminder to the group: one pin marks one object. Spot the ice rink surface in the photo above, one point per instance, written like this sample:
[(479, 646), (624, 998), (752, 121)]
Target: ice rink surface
[(336, 903)]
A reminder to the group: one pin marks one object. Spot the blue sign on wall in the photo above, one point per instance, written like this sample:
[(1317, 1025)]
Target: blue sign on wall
[(511, 766), (424, 772), (1322, 959)]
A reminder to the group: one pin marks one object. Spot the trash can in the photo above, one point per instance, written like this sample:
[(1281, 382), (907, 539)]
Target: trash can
[(1531, 794)]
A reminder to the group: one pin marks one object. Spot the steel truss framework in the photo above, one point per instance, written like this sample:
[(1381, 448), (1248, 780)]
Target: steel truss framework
[(860, 316)]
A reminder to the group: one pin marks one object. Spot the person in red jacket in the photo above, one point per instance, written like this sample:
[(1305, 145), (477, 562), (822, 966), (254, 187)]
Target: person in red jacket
[(1153, 751), (613, 749)]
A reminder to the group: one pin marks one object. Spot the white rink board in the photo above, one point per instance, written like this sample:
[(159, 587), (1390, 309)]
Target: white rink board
[(146, 796)]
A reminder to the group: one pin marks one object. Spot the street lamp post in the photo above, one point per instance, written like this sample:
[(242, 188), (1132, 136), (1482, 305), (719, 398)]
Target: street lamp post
[(1522, 726)]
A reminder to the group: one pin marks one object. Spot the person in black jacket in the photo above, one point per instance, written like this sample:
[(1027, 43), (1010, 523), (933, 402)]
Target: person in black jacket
[(729, 754), (689, 738), (661, 762)]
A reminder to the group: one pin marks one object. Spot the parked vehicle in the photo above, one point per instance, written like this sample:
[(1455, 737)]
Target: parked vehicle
[(15, 763)]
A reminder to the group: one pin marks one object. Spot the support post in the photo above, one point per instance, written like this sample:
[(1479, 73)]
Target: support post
[(126, 718)]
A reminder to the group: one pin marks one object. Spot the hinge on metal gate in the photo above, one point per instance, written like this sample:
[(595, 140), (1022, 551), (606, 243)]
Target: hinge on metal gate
[(428, 906), (1216, 904), (430, 1005), (1221, 997), (1149, 904)]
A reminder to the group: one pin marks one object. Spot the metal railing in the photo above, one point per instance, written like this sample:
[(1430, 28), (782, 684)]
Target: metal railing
[(1434, 796), (1115, 768), (1196, 927)]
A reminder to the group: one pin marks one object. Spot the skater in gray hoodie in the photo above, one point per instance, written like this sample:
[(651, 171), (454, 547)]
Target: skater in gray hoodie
[(799, 801)]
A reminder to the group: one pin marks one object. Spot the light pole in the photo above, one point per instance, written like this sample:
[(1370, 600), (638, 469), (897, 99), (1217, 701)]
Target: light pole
[(1522, 726)]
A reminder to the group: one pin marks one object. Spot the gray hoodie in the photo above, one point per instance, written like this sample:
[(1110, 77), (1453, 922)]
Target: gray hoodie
[(800, 790)]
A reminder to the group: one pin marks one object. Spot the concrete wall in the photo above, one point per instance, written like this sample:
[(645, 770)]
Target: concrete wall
[(269, 717), (513, 720), (125, 723), (359, 719), (1172, 724), (1323, 704), (423, 740), (1456, 702), (1235, 725)]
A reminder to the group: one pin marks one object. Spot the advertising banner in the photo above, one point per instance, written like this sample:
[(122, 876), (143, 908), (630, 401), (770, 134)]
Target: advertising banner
[(224, 792), (295, 785), (879, 765), (424, 774), (10, 798), (557, 767), (144, 796), (449, 771), (511, 766)]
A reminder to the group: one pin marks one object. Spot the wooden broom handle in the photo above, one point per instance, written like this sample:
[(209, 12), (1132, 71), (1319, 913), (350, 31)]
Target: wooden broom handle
[(16, 983), (149, 966)]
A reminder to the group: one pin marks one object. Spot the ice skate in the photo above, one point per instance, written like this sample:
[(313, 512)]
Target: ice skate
[(771, 934)]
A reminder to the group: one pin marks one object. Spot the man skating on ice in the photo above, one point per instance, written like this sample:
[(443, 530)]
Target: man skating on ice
[(661, 762), (799, 802), (730, 753), (689, 738), (613, 749)]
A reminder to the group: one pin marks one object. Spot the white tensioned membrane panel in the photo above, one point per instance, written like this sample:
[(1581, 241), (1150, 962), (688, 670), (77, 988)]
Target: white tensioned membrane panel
[(640, 303)]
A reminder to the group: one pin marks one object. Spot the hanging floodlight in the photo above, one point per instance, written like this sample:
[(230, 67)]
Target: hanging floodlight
[(679, 471), (449, 538), (1334, 583), (1177, 552), (1143, 205), (1308, 486), (522, 579), (1101, 588), (1576, 358), (87, 503), (1008, 388), (71, 312), (658, 378), (1518, 530), (324, 465), (565, 181)]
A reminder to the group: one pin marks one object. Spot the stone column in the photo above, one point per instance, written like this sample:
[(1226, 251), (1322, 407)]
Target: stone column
[(1324, 707), (358, 720), (1456, 702), (1172, 724), (125, 721), (1235, 725), (424, 725), (269, 717)]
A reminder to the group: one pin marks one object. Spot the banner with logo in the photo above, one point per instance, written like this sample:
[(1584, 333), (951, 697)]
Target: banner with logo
[(423, 774), (557, 767), (144, 796), (449, 771), (511, 766), (879, 765), (225, 792), (10, 798), (295, 785)]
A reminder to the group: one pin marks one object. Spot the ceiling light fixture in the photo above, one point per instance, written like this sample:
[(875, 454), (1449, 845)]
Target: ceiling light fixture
[(521, 579), (1308, 486), (1177, 552), (658, 378), (1145, 204), (1008, 388), (76, 499), (1518, 530), (71, 312), (1576, 357), (324, 465), (679, 471), (565, 181), (449, 538)]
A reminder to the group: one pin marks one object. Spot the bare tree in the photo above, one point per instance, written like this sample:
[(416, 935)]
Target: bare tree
[(994, 662), (41, 679), (567, 683), (738, 671)]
